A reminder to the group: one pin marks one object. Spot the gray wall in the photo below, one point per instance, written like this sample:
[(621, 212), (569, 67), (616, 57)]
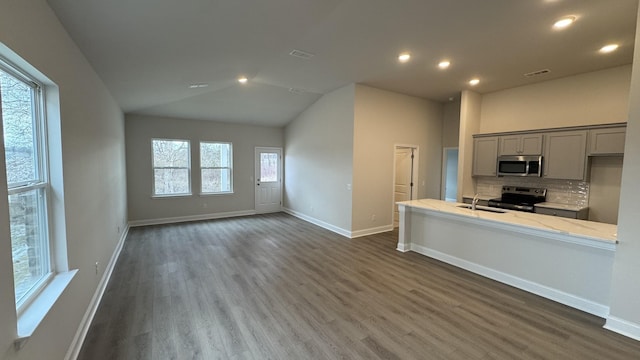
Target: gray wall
[(384, 119), (451, 124), (625, 287), (596, 97), (91, 157), (319, 160), (139, 132)]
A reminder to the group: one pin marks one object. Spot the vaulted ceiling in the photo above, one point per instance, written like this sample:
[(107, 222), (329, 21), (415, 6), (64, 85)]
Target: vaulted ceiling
[(183, 58)]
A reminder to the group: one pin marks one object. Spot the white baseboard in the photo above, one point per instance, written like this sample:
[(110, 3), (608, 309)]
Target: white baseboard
[(404, 248), (81, 333), (371, 231), (623, 327), (179, 219), (532, 287), (320, 223)]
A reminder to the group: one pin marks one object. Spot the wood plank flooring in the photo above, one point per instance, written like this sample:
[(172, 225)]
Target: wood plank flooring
[(275, 287)]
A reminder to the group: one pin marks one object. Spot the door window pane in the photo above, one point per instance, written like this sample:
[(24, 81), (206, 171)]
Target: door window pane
[(268, 167)]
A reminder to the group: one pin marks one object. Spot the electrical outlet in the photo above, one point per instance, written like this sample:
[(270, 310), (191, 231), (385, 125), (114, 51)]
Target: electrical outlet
[(373, 217)]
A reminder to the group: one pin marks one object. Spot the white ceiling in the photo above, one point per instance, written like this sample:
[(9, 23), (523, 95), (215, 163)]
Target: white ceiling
[(148, 52)]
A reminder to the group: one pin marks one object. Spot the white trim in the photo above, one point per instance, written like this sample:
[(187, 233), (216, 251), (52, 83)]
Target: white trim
[(403, 247), (371, 231), (320, 223), (415, 175), (256, 173), (562, 297), (179, 219), (81, 333), (623, 327), (153, 169), (42, 303)]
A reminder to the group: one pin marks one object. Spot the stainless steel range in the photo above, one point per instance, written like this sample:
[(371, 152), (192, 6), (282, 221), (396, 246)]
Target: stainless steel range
[(519, 198)]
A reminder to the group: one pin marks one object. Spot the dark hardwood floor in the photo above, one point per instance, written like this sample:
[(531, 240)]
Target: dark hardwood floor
[(275, 287)]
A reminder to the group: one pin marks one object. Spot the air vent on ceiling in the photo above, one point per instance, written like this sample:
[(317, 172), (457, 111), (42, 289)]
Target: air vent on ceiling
[(537, 73), (301, 54)]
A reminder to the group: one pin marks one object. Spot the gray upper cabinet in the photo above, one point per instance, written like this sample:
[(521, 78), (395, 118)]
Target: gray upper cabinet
[(485, 156), (607, 141), (525, 144), (565, 155)]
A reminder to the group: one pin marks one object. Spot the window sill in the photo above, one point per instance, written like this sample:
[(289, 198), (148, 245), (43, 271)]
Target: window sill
[(33, 315), (217, 194), (170, 196)]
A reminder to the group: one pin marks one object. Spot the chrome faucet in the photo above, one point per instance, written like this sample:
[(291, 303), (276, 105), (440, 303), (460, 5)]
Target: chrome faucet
[(474, 202)]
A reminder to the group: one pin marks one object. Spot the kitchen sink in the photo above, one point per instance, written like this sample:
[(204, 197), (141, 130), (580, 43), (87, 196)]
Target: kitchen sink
[(483, 208)]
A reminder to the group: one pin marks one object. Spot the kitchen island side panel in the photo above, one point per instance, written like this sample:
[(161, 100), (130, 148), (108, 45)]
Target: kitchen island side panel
[(572, 274)]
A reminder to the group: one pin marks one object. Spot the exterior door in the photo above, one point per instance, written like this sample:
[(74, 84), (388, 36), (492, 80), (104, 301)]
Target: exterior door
[(268, 179), (403, 182)]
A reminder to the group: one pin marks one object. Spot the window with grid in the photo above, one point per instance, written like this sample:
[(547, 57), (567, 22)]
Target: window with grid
[(216, 167), (171, 167), (25, 151)]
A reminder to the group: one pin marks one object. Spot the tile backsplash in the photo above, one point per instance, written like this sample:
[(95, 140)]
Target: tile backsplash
[(570, 192)]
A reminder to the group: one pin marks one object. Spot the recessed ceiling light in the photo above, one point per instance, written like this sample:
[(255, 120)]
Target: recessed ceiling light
[(564, 22), (198, 86), (609, 48), (444, 64), (404, 57), (474, 82), (243, 79)]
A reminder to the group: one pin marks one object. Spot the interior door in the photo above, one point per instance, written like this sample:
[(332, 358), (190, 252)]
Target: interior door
[(403, 182), (268, 179)]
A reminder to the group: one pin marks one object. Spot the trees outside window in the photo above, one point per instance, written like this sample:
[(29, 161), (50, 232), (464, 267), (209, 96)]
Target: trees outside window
[(171, 167), (216, 170), (25, 153)]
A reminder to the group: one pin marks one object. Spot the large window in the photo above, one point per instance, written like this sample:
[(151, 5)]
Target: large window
[(171, 167), (216, 170), (25, 154)]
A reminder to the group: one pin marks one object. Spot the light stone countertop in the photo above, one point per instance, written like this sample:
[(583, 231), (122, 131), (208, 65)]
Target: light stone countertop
[(550, 205), (588, 230)]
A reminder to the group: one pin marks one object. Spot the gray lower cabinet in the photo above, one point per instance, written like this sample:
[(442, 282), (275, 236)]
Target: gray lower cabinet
[(582, 214), (565, 155), (485, 156), (607, 141)]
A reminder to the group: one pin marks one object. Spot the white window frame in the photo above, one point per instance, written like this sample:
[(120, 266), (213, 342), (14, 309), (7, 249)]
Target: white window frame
[(41, 183), (153, 170), (230, 167)]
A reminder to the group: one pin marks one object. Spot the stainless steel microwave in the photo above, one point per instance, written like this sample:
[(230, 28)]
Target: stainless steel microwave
[(515, 165)]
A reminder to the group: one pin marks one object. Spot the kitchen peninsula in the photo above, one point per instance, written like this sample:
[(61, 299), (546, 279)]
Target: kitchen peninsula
[(566, 260)]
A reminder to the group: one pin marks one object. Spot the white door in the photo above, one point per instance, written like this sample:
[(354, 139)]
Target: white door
[(403, 182), (268, 179)]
